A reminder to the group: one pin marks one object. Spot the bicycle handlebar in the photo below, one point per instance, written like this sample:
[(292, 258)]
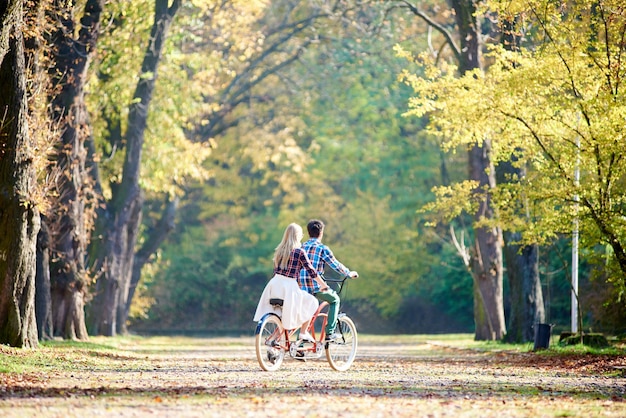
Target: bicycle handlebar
[(340, 281)]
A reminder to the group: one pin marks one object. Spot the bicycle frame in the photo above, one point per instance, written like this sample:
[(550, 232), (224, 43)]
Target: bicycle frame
[(289, 333)]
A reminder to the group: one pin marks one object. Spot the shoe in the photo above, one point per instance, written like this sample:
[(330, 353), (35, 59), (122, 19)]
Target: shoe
[(332, 337), (300, 356), (305, 336)]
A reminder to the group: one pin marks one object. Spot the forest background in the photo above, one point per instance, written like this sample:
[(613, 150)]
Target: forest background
[(264, 113)]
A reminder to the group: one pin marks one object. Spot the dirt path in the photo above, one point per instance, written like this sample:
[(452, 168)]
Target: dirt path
[(220, 377)]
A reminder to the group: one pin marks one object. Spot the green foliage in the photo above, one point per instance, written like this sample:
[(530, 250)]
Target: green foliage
[(169, 159), (326, 139), (335, 148), (205, 285), (452, 201), (114, 78)]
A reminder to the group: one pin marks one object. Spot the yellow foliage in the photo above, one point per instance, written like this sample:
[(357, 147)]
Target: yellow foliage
[(452, 200), (558, 107)]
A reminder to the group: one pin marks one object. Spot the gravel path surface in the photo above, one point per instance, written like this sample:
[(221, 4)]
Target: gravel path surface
[(220, 377)]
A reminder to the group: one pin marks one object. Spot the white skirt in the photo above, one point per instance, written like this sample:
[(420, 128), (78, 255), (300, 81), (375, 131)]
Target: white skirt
[(298, 305)]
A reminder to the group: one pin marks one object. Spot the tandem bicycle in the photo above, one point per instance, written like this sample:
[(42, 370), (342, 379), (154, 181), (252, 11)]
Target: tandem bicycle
[(273, 341)]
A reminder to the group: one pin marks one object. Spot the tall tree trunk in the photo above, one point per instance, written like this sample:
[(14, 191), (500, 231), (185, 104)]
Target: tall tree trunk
[(487, 257), (486, 260), (522, 262), (156, 236), (522, 267), (69, 217), (121, 218), (35, 20), (43, 301), (527, 308), (19, 218)]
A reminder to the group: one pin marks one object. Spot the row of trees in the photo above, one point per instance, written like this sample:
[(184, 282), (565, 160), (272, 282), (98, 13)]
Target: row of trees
[(108, 153), (406, 278), (94, 204)]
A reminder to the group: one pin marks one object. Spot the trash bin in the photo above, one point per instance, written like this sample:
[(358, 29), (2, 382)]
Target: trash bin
[(542, 336)]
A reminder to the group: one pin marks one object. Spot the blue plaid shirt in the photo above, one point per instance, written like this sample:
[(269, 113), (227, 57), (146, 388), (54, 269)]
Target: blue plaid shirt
[(320, 255), (297, 261)]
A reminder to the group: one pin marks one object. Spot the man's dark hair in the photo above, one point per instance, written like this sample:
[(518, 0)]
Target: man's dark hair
[(315, 228)]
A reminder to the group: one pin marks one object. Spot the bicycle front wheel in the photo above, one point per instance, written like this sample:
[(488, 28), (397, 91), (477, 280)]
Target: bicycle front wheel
[(341, 352), (270, 342)]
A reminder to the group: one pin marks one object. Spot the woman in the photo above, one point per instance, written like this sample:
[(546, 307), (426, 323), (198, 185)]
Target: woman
[(298, 305)]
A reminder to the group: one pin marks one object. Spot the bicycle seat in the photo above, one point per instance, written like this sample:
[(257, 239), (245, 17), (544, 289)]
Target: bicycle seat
[(276, 302)]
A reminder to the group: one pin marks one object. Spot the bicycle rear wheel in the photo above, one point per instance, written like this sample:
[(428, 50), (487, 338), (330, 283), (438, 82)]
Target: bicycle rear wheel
[(341, 352), (270, 342)]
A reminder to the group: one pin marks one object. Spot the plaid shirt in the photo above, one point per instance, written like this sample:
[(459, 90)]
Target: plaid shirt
[(320, 255), (297, 261)]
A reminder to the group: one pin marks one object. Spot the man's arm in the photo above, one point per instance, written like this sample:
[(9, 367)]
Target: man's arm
[(329, 258)]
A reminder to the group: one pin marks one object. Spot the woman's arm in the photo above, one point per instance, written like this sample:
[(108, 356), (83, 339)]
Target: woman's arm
[(306, 264)]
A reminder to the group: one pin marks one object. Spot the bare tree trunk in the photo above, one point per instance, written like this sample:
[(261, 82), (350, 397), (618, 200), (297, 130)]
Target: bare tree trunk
[(19, 218), (69, 217), (120, 220), (35, 20), (118, 245), (43, 299), (156, 236), (527, 308), (487, 256)]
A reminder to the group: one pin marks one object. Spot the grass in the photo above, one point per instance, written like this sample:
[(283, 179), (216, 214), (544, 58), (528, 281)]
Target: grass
[(580, 349), (60, 355)]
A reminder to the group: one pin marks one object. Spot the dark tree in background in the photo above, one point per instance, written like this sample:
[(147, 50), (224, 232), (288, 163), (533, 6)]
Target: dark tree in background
[(43, 303), (522, 261)]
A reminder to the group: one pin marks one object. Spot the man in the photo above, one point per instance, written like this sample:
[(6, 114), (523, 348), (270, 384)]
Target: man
[(320, 255)]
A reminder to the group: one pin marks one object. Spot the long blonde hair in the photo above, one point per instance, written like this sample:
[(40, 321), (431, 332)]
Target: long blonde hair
[(291, 239)]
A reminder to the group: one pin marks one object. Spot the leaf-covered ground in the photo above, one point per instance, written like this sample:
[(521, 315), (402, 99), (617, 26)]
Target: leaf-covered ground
[(402, 376)]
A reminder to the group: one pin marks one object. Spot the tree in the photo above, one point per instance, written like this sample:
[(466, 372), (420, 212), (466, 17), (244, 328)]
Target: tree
[(555, 107), (72, 212), (43, 302), (39, 127), (581, 103), (119, 221), (19, 220), (484, 261), (522, 261)]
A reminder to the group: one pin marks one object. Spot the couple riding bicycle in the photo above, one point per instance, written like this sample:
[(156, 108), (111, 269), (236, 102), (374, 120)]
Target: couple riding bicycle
[(290, 299)]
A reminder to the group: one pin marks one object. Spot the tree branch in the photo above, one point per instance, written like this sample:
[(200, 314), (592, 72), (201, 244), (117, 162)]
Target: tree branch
[(460, 248), (439, 28), (537, 138)]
